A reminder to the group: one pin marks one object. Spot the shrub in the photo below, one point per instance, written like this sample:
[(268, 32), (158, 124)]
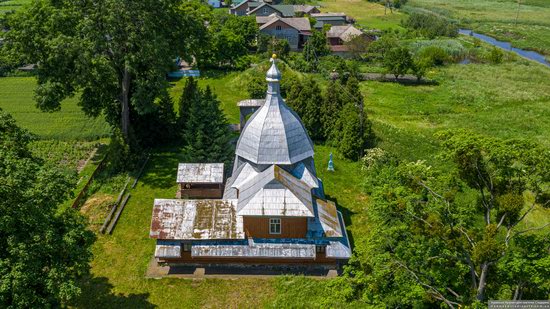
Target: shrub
[(453, 49), (434, 56), (495, 56), (431, 25)]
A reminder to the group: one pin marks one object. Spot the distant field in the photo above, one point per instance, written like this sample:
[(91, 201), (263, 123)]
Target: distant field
[(12, 5), (367, 14), (497, 18), (70, 123)]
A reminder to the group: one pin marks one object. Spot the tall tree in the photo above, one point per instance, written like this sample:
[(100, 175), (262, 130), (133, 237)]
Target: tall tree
[(398, 61), (114, 53), (189, 96), (315, 48), (43, 249), (306, 99), (352, 137), (443, 237), (207, 134), (333, 103)]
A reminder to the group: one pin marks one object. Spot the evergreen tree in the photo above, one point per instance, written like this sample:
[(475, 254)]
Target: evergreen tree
[(207, 133), (353, 136), (189, 96), (305, 99), (158, 126), (329, 111)]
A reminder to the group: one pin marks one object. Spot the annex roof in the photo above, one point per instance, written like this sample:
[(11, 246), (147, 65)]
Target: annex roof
[(275, 192), (328, 216), (274, 134), (264, 250), (344, 32), (195, 219), (303, 8), (200, 173), (304, 174)]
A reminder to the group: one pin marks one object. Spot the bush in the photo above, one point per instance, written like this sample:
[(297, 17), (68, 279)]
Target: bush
[(495, 56), (453, 49), (434, 56), (431, 25)]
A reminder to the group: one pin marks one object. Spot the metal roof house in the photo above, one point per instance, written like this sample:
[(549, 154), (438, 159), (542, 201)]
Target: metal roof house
[(273, 210)]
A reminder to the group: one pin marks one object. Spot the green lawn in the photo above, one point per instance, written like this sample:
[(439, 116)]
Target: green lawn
[(12, 5), (121, 259), (367, 14), (70, 123), (497, 18)]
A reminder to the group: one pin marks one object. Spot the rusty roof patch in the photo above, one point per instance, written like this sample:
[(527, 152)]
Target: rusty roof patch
[(265, 250), (196, 219)]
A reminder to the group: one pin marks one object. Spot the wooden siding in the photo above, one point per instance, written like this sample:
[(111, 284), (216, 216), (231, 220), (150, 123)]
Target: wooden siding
[(258, 227), (287, 32), (198, 191)]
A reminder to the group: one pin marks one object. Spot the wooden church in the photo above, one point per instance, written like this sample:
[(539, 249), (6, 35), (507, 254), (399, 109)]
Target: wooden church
[(273, 209)]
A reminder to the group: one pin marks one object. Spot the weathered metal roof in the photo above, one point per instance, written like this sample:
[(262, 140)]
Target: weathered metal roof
[(167, 251), (328, 217), (264, 250), (200, 173), (196, 219), (328, 14), (274, 134), (298, 23), (275, 192), (251, 102)]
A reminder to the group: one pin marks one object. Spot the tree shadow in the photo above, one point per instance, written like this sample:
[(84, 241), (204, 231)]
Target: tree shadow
[(346, 214), (97, 292), (161, 170)]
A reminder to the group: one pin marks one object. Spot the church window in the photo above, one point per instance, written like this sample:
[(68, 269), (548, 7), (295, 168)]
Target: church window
[(275, 226)]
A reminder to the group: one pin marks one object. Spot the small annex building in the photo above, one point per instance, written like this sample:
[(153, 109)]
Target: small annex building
[(273, 210)]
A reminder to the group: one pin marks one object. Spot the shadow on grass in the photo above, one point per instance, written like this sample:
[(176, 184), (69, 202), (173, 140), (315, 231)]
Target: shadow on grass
[(161, 170), (346, 214), (97, 292)]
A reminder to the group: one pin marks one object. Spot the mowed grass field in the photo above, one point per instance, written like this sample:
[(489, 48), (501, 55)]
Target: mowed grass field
[(12, 5), (70, 123), (121, 259), (497, 18), (367, 14)]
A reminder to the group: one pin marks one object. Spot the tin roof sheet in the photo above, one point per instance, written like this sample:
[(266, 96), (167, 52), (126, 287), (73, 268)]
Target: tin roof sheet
[(275, 192), (196, 219), (304, 174), (328, 217), (265, 250), (200, 173), (344, 32), (168, 251)]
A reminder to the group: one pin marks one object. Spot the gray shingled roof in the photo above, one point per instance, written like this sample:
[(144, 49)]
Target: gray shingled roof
[(298, 23), (274, 134)]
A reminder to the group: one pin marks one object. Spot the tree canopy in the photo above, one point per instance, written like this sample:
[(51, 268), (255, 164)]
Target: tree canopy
[(113, 53), (455, 237), (43, 249)]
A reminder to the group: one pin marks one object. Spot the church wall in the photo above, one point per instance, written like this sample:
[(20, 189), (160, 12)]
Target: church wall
[(291, 227)]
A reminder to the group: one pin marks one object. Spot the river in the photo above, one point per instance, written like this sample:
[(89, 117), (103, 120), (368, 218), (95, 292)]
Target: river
[(531, 55)]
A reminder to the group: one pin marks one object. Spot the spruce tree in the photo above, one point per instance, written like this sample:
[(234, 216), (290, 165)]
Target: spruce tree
[(207, 133), (352, 139), (329, 111), (189, 96)]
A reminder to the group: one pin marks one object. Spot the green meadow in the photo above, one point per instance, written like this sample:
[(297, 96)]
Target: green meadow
[(367, 14), (12, 5), (528, 27)]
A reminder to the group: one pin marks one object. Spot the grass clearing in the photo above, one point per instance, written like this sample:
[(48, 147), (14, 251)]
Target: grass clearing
[(366, 14), (12, 5), (70, 123), (497, 18)]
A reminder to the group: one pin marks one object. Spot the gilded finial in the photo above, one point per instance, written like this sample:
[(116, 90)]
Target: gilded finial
[(274, 56)]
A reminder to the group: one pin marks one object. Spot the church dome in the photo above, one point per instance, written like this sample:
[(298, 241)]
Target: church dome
[(274, 134)]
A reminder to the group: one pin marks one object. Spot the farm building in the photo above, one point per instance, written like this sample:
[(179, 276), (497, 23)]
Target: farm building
[(295, 30), (334, 19), (273, 210)]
